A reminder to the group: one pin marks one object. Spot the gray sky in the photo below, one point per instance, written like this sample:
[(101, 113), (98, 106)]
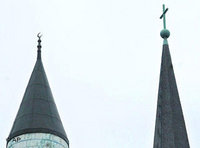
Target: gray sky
[(102, 59)]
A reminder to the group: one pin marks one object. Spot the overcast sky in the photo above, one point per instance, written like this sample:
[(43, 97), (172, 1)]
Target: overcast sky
[(102, 59)]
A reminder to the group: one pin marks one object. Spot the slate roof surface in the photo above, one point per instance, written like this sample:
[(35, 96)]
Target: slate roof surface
[(170, 130), (38, 112)]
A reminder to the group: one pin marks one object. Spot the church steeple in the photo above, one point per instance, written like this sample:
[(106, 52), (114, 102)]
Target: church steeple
[(38, 116), (170, 130)]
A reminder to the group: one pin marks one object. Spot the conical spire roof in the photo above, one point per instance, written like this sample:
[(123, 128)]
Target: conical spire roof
[(170, 130), (38, 112)]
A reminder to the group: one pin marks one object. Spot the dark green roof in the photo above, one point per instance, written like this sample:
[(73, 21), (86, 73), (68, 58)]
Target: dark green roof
[(38, 112), (170, 130)]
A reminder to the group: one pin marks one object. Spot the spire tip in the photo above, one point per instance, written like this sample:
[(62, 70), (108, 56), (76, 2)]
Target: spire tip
[(39, 35)]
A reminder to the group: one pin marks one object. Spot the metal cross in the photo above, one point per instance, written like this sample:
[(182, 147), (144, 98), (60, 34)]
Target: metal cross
[(163, 16)]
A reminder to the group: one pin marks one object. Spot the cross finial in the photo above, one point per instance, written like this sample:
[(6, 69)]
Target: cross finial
[(163, 16), (164, 33)]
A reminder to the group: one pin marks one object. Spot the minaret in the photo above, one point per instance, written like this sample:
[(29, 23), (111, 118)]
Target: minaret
[(170, 130), (38, 124)]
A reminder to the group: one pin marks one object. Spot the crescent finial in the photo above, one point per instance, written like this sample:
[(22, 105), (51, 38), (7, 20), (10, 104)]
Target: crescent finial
[(39, 35)]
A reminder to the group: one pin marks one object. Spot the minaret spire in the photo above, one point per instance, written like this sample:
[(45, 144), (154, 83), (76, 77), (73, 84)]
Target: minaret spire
[(39, 46), (165, 32), (38, 123), (170, 129)]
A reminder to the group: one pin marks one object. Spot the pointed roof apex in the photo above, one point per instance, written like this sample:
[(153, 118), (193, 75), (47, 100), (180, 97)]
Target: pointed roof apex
[(38, 112), (39, 46), (165, 32), (170, 129)]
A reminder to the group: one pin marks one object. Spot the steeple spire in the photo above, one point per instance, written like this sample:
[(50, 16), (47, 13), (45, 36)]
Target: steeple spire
[(170, 130)]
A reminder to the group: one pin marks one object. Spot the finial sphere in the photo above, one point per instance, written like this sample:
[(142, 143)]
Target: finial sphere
[(165, 33)]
